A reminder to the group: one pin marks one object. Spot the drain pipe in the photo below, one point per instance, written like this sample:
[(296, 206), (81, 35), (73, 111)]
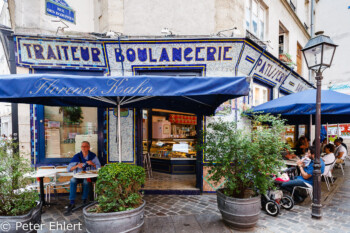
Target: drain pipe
[(311, 30)]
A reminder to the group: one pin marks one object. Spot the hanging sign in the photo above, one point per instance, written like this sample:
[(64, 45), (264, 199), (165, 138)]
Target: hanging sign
[(59, 8)]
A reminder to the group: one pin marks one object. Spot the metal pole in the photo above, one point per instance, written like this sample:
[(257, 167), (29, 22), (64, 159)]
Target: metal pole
[(316, 202), (310, 128), (338, 130), (119, 135), (311, 30), (327, 134)]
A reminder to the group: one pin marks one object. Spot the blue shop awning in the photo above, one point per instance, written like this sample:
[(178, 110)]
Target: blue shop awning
[(297, 107), (200, 95)]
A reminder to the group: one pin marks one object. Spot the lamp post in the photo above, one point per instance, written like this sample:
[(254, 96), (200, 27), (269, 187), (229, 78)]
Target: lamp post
[(318, 53)]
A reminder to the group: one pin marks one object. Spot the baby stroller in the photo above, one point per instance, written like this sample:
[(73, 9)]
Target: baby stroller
[(273, 200)]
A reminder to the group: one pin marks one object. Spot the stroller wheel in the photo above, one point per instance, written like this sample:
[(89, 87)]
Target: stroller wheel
[(272, 208), (287, 202)]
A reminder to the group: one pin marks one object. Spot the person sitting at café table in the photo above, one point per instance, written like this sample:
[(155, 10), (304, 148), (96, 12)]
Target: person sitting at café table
[(329, 158), (323, 144), (79, 163), (301, 146), (340, 151), (342, 142), (305, 179)]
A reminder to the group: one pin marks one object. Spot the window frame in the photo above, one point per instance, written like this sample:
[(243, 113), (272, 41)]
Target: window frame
[(40, 152), (264, 85), (262, 6)]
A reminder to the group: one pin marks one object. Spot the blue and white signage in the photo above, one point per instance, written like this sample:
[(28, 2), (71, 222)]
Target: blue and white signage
[(212, 57), (59, 8)]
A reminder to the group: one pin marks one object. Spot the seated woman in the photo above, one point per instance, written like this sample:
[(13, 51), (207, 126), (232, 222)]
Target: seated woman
[(302, 146), (329, 158)]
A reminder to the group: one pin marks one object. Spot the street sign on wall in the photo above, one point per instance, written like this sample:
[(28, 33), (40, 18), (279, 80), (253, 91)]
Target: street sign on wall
[(59, 8)]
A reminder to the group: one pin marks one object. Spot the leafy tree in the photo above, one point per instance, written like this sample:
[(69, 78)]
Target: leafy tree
[(118, 187), (14, 198), (244, 158)]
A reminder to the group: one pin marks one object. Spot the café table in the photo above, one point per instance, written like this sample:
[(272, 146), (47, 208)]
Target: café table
[(89, 174), (290, 162), (41, 174)]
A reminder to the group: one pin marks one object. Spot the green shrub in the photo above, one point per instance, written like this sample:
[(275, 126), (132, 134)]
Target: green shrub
[(118, 187), (12, 168), (244, 158)]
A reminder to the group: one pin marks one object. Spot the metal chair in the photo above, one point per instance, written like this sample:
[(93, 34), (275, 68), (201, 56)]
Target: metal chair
[(56, 184), (36, 184), (329, 175)]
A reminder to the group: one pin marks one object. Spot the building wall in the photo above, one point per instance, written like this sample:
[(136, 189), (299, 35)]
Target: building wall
[(30, 17), (206, 17), (280, 12), (332, 17)]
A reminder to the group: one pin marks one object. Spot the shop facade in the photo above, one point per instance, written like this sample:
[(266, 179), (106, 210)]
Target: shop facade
[(170, 137)]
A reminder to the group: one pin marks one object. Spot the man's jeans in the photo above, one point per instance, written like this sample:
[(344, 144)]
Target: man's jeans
[(73, 188), (288, 186)]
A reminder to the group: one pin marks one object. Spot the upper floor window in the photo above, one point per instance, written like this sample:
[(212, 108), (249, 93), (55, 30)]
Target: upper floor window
[(261, 94), (255, 15)]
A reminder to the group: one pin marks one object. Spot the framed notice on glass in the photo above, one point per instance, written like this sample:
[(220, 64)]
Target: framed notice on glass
[(166, 129)]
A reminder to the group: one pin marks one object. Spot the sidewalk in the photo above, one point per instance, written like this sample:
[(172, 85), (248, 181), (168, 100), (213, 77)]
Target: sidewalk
[(199, 213)]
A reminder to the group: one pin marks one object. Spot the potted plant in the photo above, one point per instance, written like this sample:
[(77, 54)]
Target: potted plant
[(72, 115), (243, 160), (17, 204), (287, 59), (119, 207)]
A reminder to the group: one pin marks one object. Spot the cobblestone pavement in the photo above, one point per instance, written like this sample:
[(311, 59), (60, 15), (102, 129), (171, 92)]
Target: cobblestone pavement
[(171, 213)]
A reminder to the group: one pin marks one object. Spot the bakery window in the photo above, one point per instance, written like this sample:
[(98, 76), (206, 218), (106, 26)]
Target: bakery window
[(66, 128)]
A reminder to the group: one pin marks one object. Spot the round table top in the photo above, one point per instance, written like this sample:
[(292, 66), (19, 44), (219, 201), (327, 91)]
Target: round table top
[(86, 175), (42, 173)]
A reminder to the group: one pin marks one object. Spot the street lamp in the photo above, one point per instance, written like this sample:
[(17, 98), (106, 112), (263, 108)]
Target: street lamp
[(318, 53)]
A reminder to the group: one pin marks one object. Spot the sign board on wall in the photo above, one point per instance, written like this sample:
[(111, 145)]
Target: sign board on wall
[(344, 130), (59, 8), (212, 57)]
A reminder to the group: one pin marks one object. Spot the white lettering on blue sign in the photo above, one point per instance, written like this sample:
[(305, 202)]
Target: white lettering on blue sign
[(60, 9)]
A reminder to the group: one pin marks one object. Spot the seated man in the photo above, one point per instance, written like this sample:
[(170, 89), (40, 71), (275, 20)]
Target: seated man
[(340, 151), (305, 179), (85, 158)]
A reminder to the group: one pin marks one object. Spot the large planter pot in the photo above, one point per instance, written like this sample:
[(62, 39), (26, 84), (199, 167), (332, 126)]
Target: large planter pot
[(25, 223), (240, 213), (124, 221)]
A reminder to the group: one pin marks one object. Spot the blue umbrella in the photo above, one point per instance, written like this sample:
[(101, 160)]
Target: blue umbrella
[(296, 108), (200, 95)]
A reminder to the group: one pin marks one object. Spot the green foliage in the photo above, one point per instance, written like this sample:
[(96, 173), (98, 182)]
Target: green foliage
[(72, 115), (118, 186), (13, 166), (244, 158)]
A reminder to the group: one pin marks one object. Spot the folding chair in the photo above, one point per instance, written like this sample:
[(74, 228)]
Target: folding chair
[(47, 185), (56, 184), (328, 175)]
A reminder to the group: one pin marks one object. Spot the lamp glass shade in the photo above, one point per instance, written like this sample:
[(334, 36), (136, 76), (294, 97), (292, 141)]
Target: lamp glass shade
[(319, 52), (328, 52), (313, 57)]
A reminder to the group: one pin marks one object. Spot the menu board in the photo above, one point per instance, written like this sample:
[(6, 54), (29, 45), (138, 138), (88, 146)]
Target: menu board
[(53, 147)]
